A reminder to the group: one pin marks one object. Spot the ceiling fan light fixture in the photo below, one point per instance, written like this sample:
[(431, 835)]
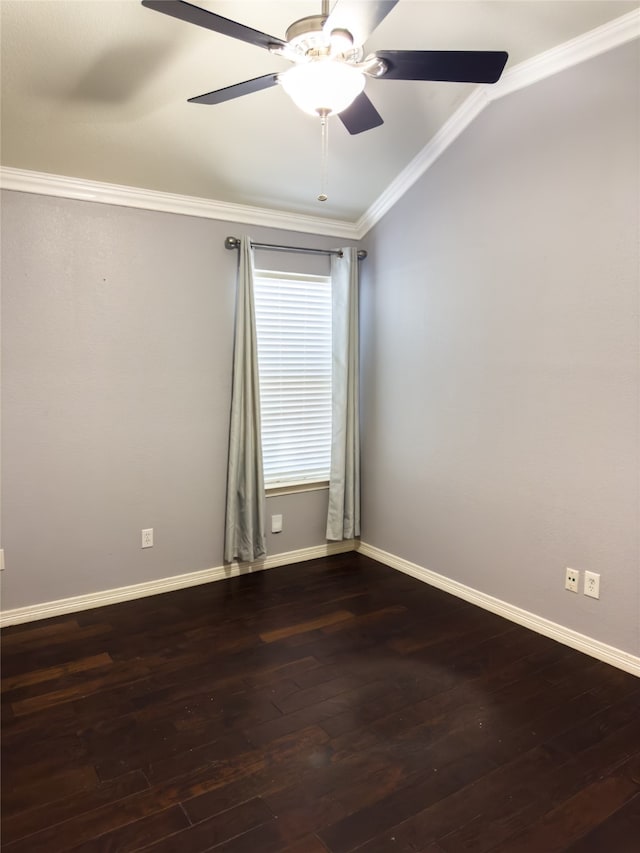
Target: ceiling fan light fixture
[(323, 86)]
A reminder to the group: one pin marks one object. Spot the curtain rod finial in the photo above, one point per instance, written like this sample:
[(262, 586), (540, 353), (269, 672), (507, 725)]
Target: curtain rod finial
[(231, 243)]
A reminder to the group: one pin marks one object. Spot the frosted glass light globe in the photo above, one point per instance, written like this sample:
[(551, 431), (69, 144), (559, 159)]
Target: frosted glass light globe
[(323, 86)]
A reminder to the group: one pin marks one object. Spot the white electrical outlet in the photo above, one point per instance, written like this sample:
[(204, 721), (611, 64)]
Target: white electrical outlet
[(592, 584), (147, 538), (276, 524), (571, 580), (1, 559)]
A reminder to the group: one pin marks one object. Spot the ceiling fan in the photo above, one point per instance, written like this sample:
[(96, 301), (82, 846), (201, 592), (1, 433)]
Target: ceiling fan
[(330, 68)]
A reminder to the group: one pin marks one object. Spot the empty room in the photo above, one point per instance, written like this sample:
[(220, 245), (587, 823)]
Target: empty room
[(320, 426)]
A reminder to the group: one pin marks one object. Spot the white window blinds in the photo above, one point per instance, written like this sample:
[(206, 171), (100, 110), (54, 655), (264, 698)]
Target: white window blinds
[(293, 319)]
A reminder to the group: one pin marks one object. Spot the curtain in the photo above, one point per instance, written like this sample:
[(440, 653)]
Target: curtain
[(244, 537), (343, 518)]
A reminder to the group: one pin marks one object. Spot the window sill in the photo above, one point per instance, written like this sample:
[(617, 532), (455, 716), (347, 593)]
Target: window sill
[(296, 488)]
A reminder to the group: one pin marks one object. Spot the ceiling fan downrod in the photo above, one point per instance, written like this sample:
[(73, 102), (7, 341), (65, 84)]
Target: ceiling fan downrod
[(324, 155)]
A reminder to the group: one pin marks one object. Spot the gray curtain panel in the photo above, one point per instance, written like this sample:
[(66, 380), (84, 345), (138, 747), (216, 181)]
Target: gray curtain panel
[(244, 537), (343, 519)]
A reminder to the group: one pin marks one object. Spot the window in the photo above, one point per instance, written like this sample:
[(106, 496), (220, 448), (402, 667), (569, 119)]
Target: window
[(293, 320)]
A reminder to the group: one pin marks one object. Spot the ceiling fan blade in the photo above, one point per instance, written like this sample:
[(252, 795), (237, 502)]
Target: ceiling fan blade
[(457, 66), (360, 116), (237, 90), (201, 17), (359, 17)]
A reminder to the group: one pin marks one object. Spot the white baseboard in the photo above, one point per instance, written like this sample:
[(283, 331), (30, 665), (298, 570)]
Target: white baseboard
[(596, 649), (47, 609)]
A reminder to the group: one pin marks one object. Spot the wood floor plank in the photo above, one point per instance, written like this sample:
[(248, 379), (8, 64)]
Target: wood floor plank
[(375, 619), (25, 634), (81, 687), (266, 838), (573, 818), (40, 815), (429, 786), (345, 701), (619, 833), (288, 756), (304, 627), (216, 830), (327, 707), (308, 844), (52, 641), (558, 781), (67, 782), (138, 834), (303, 698), (534, 784), (331, 796), (44, 755), (55, 672)]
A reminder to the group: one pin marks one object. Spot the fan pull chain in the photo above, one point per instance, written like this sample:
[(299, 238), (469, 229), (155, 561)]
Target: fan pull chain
[(324, 158)]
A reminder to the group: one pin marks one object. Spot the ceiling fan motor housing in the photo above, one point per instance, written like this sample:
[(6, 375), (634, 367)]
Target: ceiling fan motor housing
[(307, 33), (307, 38)]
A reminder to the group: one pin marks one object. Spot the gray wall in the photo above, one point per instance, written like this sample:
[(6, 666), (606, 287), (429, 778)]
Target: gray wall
[(500, 354), (499, 371), (117, 340)]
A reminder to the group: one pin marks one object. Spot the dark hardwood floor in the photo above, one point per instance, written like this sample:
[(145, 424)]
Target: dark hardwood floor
[(335, 705)]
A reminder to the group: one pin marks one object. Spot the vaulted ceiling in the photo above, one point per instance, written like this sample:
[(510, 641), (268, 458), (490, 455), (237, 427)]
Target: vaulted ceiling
[(98, 91)]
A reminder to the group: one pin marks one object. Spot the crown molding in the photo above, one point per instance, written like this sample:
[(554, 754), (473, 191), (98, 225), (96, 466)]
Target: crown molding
[(449, 131), (587, 46), (560, 58), (42, 183), (553, 61)]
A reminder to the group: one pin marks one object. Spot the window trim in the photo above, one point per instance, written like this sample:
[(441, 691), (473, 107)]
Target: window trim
[(296, 488)]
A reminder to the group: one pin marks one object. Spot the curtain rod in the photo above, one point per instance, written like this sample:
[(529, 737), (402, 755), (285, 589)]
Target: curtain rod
[(234, 243)]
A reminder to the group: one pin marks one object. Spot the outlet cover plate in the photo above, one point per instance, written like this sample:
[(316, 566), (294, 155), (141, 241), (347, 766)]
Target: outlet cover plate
[(571, 579), (592, 584), (147, 537)]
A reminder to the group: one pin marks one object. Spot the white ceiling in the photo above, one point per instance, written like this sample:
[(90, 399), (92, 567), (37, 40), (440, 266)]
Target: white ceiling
[(97, 89)]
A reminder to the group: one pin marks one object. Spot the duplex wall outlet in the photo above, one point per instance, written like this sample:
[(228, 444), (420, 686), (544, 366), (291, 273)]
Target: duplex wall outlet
[(571, 580), (276, 523), (147, 538), (592, 584)]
